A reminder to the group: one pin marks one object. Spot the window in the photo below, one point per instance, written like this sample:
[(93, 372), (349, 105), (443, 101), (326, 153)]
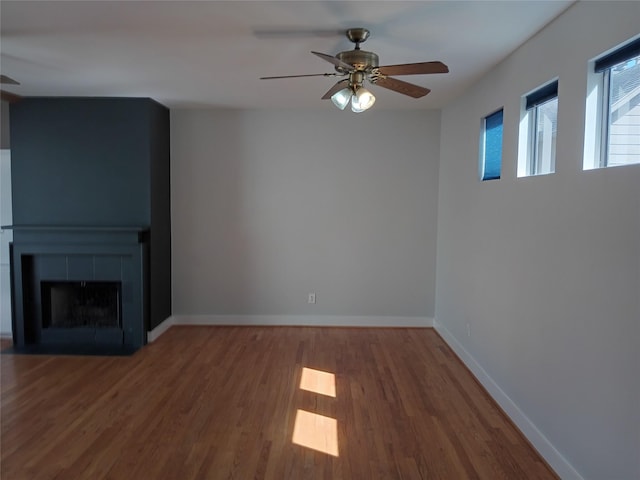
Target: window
[(491, 146), (538, 132), (612, 136)]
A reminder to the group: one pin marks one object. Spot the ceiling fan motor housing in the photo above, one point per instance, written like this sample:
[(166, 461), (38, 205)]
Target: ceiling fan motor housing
[(360, 59)]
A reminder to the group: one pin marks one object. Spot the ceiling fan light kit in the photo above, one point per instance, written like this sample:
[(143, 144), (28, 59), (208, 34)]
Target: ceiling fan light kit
[(360, 66), (341, 98), (362, 100)]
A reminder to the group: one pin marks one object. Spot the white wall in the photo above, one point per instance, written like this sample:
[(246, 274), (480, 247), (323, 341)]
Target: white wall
[(5, 140), (538, 279), (5, 238), (268, 206), (5, 219)]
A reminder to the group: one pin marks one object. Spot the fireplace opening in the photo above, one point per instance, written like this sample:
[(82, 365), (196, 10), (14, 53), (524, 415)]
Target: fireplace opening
[(74, 305)]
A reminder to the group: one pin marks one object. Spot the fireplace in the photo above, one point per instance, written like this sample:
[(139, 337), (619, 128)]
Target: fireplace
[(80, 288), (81, 313)]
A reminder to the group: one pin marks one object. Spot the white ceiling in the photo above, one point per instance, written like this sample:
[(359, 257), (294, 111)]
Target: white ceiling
[(212, 53)]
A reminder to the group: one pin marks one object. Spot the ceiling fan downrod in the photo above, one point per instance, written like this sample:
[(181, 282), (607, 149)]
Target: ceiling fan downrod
[(357, 36)]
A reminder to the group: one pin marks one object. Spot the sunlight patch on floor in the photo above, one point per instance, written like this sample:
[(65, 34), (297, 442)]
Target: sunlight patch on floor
[(317, 381), (316, 431)]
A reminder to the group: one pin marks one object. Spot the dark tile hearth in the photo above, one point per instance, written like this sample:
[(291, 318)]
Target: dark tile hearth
[(71, 349)]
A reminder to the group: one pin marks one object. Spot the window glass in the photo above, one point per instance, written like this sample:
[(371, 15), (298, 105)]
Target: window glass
[(544, 160), (623, 129), (538, 132), (492, 146)]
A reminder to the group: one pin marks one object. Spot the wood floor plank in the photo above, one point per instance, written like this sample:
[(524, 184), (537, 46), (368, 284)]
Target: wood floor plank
[(222, 402)]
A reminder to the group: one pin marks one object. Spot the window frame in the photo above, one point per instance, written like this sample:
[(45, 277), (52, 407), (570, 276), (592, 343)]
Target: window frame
[(603, 123), (598, 106)]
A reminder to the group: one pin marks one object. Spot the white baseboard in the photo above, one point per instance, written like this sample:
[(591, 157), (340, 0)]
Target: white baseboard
[(541, 443), (290, 320), (304, 320), (153, 335)]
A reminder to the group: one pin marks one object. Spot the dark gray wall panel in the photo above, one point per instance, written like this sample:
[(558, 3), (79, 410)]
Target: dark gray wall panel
[(160, 242), (80, 161), (92, 166)]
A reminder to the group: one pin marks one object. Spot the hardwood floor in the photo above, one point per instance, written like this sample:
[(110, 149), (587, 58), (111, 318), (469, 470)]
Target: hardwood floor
[(225, 402)]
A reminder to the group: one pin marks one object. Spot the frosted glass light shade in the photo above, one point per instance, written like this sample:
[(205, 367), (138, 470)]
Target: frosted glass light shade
[(341, 98), (362, 100)]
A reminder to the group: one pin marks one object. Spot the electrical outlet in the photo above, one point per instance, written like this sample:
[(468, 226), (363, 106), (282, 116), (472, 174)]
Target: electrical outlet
[(311, 298), (468, 330)]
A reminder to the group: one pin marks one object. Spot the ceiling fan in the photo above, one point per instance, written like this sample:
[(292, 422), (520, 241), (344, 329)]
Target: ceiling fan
[(8, 96), (359, 66)]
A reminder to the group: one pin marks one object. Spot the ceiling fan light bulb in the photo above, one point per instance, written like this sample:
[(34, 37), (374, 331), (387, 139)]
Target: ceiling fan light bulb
[(341, 98), (362, 100)]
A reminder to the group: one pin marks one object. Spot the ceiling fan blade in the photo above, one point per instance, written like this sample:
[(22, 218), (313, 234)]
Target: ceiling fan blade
[(336, 88), (298, 76), (414, 68), (335, 61), (400, 86), (9, 97), (8, 80)]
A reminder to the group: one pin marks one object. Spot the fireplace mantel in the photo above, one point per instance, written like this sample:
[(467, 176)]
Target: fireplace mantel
[(74, 228), (87, 233)]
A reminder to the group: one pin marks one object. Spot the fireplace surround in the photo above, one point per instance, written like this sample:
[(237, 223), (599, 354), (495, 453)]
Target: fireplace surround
[(80, 287)]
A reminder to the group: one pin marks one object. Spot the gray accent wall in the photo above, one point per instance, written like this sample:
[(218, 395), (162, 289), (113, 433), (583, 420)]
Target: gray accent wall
[(81, 161), (97, 162), (538, 278), (160, 215), (268, 206)]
